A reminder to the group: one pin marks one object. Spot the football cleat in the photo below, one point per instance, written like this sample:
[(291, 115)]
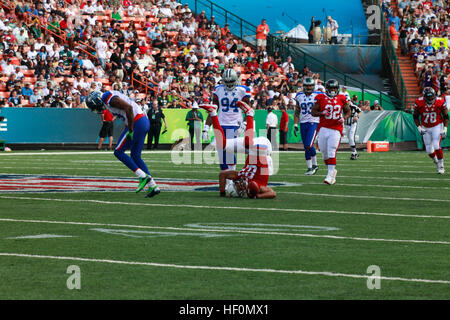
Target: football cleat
[(312, 171), (152, 191), (245, 108), (354, 156), (210, 108), (440, 168), (331, 178), (142, 183)]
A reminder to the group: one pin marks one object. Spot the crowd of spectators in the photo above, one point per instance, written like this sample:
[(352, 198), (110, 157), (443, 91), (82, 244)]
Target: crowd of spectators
[(151, 50), (422, 29)]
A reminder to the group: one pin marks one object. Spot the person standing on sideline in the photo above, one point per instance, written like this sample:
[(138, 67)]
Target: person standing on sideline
[(155, 115), (284, 128), (107, 129), (261, 36), (195, 122), (271, 124), (132, 137), (333, 26), (351, 124)]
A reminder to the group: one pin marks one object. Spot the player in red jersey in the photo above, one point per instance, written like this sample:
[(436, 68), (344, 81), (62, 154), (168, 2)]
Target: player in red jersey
[(253, 178), (329, 108), (431, 118)]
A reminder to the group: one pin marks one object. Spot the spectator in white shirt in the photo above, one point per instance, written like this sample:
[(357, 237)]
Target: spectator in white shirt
[(92, 19), (333, 25), (102, 48), (88, 8), (18, 73), (288, 64), (166, 11), (188, 29)]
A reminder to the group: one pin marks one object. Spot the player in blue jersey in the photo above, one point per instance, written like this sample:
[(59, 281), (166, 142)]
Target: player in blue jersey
[(133, 136), (226, 97), (308, 123)]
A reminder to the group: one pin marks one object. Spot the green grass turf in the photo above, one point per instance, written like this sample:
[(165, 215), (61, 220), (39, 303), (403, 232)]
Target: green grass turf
[(380, 197)]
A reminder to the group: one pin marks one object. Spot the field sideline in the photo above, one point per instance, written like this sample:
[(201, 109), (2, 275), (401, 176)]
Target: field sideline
[(314, 241)]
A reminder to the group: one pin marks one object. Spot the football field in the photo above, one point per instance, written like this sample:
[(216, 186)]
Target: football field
[(72, 227)]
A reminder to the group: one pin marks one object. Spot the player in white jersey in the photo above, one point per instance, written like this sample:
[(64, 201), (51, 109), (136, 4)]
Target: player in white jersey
[(351, 124), (308, 123), (226, 97), (133, 136)]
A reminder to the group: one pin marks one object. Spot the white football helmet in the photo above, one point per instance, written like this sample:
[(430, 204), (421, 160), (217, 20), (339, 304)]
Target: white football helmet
[(230, 79), (236, 189)]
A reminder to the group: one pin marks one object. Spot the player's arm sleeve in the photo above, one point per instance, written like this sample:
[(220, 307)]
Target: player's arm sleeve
[(445, 115), (297, 112), (315, 111)]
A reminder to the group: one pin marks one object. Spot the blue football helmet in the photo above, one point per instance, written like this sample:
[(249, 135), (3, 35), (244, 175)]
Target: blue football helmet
[(94, 102)]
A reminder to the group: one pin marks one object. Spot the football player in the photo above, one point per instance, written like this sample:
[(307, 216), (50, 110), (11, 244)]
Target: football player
[(351, 125), (431, 118), (253, 178), (308, 123), (329, 107), (133, 136), (226, 96)]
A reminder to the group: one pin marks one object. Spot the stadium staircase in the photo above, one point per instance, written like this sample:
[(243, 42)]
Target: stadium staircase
[(401, 69), (407, 67)]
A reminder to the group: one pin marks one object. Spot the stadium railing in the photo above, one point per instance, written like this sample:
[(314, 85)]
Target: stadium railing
[(246, 31)]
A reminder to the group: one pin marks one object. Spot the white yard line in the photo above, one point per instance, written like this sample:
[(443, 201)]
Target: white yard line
[(362, 197), (217, 230), (233, 269), (118, 203), (278, 174), (377, 186)]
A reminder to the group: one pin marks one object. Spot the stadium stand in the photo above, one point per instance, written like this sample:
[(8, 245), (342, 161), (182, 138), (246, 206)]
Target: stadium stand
[(143, 48), (423, 50)]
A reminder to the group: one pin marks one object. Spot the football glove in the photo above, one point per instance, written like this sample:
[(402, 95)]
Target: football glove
[(205, 134), (295, 130), (130, 135), (422, 130), (444, 133), (241, 128), (326, 113)]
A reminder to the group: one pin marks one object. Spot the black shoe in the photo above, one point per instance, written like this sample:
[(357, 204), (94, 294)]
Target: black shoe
[(153, 192), (354, 156)]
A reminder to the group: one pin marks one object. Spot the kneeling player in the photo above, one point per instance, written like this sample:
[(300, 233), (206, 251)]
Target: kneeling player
[(253, 178), (431, 118)]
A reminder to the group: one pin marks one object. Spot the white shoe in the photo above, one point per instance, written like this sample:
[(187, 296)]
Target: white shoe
[(441, 169), (331, 178)]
